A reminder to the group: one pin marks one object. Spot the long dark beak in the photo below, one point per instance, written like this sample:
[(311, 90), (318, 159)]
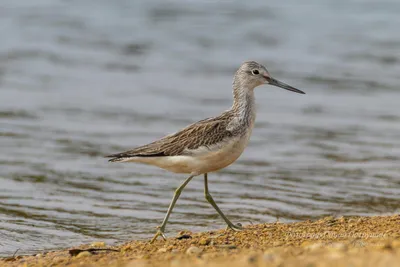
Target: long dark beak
[(277, 83)]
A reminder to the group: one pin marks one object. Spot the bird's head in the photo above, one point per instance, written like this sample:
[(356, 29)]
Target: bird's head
[(252, 74)]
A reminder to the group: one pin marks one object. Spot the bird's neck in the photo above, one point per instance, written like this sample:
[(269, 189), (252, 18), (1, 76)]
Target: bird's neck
[(244, 106)]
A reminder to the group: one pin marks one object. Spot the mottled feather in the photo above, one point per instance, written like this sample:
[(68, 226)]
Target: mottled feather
[(204, 133)]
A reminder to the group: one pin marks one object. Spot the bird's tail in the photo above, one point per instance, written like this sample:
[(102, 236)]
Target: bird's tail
[(117, 157)]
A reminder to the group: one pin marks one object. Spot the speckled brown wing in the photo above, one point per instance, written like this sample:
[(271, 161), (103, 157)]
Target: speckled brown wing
[(203, 133)]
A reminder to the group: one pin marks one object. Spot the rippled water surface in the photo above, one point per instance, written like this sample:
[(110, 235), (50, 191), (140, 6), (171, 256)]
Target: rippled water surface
[(82, 79)]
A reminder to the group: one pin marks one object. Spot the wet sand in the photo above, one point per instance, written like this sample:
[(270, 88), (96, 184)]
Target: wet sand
[(350, 241)]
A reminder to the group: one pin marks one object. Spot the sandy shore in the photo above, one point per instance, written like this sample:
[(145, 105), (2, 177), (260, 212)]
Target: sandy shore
[(345, 241)]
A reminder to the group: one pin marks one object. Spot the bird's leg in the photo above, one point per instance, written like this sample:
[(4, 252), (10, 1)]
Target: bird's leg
[(161, 228), (209, 198)]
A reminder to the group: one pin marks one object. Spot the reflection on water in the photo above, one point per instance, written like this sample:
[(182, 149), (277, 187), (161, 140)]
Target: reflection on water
[(80, 81)]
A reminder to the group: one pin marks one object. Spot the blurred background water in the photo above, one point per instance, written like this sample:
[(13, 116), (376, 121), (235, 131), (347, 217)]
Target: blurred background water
[(82, 79)]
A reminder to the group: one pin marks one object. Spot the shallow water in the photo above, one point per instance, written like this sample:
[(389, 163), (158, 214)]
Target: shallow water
[(82, 79)]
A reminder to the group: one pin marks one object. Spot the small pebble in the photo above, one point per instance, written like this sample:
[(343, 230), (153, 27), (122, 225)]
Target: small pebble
[(194, 251), (184, 237), (126, 248), (162, 250), (98, 244), (84, 254), (328, 218), (57, 260), (204, 241)]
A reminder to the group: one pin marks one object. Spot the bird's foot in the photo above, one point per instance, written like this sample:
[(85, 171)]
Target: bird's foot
[(160, 232), (235, 227)]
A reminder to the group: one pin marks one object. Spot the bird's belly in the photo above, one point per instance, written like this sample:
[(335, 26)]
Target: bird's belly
[(218, 157), (201, 160)]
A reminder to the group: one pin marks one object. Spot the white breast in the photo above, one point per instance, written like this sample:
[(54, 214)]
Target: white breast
[(220, 156)]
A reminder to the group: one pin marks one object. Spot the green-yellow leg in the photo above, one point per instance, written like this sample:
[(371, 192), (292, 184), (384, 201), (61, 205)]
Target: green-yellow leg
[(209, 198), (161, 228)]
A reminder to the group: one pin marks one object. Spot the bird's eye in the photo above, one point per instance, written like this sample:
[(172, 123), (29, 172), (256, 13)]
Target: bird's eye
[(255, 72)]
